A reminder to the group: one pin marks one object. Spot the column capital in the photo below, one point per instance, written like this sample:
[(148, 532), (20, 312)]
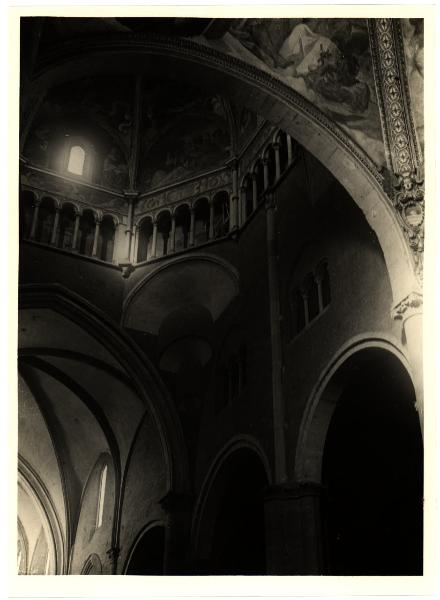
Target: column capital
[(126, 269), (37, 200), (276, 145), (131, 194), (113, 554), (408, 307)]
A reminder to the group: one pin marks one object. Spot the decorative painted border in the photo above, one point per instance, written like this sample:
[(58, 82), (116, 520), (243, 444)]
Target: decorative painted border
[(402, 150)]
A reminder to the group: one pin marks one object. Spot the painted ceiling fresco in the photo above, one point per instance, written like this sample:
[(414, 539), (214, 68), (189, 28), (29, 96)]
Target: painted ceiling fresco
[(325, 60), (96, 110), (184, 132), (413, 37), (246, 124)]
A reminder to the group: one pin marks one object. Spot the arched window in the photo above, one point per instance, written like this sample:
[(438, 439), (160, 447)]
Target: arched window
[(163, 230), (259, 174), (183, 223), (27, 200), (46, 218), (311, 289), (77, 157), (221, 214), (248, 197), (324, 283), (66, 227), (201, 221), (309, 299), (86, 232), (271, 165), (145, 239), (101, 496), (284, 155), (297, 308), (106, 240)]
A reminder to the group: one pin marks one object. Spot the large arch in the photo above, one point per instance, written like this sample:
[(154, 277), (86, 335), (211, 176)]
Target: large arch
[(200, 279), (214, 491), (322, 401), (263, 94), (145, 381), (361, 445)]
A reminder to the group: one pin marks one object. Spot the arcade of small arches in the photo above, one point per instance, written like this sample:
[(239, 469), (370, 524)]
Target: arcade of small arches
[(88, 232), (65, 226)]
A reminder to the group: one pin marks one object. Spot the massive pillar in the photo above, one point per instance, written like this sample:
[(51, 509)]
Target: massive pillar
[(294, 539), (275, 332)]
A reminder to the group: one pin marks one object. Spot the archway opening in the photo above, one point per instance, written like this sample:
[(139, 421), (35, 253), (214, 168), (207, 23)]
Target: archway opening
[(148, 555), (234, 517), (372, 471)]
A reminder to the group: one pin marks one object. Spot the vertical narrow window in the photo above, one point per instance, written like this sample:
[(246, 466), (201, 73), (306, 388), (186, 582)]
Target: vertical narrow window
[(47, 565), (77, 158), (325, 285), (311, 288), (101, 497)]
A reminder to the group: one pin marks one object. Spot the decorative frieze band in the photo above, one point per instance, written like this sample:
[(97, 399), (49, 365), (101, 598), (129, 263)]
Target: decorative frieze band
[(404, 157)]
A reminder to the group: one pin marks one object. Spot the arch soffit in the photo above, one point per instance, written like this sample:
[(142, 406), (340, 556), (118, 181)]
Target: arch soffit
[(231, 271), (236, 443), (31, 482), (145, 529), (287, 109), (307, 467), (82, 312)]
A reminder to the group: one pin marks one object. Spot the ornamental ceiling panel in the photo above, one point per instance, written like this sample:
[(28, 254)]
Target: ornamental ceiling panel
[(327, 61)]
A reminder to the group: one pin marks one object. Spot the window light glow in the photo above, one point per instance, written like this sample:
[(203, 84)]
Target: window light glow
[(77, 158), (102, 482)]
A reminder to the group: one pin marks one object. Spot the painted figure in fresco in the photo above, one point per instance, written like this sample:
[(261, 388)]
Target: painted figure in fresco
[(327, 54)]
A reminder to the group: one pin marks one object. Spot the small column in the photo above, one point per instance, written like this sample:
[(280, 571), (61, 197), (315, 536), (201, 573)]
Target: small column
[(294, 537), (211, 218), (276, 147), (37, 203), (192, 226), (278, 408), (96, 237), (131, 197), (266, 173), (173, 232), (53, 237), (289, 149), (135, 244), (154, 243), (254, 192), (76, 230)]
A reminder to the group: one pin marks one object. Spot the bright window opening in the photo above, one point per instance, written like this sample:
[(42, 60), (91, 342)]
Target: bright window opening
[(100, 511), (76, 160)]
